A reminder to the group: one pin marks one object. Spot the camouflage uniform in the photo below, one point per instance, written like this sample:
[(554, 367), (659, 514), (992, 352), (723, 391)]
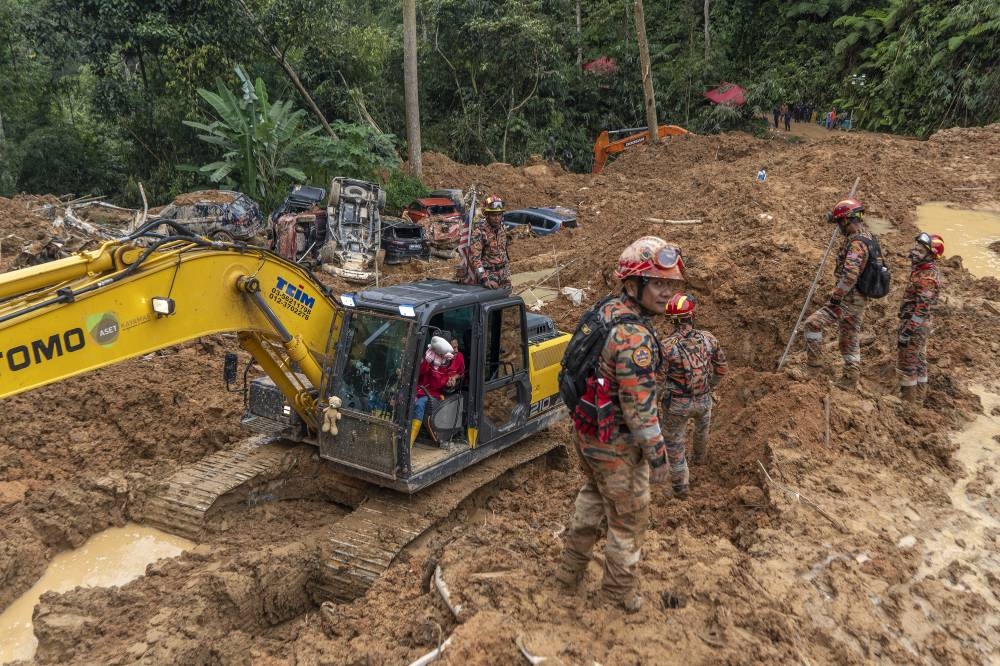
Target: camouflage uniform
[(915, 322), (617, 472), (693, 365), (851, 261), (488, 251)]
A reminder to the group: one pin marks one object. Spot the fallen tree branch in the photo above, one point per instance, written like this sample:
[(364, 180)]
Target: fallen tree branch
[(968, 189), (433, 655), (799, 497), (658, 220), (532, 659), (442, 589)]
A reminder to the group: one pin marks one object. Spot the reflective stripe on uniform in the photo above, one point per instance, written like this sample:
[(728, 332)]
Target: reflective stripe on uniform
[(852, 358), (909, 381), (813, 335)]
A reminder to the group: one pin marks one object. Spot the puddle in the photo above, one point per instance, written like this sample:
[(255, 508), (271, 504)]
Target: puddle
[(966, 233), (970, 540), (113, 557)]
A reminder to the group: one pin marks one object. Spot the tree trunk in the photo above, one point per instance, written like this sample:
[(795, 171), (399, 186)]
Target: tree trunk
[(411, 89), (647, 76), (707, 38), (579, 37)]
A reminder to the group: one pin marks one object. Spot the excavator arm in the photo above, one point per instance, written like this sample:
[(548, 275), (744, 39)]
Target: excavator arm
[(604, 147), (123, 300)]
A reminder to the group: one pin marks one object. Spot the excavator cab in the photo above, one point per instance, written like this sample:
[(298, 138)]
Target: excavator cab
[(378, 353)]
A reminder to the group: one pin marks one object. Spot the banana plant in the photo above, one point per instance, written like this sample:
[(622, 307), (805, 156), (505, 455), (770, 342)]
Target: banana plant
[(262, 143)]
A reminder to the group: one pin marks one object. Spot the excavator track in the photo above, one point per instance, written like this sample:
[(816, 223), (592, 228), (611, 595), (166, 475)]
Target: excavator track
[(362, 546), (194, 491)]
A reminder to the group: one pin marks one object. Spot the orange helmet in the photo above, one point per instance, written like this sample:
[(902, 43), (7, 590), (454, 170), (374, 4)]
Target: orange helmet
[(493, 204), (933, 242), (681, 305), (847, 208), (651, 257)]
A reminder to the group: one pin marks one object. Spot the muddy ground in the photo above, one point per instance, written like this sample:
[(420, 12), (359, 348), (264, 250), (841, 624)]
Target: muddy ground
[(898, 564)]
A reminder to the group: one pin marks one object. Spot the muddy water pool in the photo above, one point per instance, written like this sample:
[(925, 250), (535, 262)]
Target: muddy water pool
[(967, 233), (112, 557)]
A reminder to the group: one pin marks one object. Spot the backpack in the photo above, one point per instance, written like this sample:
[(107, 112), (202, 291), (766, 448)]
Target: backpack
[(874, 279), (579, 361)]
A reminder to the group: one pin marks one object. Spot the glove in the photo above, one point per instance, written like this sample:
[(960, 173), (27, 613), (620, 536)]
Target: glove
[(331, 415), (833, 306), (659, 470), (491, 284)]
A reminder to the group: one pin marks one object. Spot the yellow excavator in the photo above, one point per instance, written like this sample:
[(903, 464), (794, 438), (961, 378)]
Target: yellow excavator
[(356, 354)]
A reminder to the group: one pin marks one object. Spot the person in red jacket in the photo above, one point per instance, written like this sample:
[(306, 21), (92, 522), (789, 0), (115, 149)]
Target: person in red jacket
[(432, 379)]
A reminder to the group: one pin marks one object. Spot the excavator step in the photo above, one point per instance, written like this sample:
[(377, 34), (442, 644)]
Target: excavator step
[(182, 506), (362, 546)]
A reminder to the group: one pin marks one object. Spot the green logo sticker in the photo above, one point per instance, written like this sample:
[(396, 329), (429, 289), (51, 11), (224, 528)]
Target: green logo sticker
[(104, 328)]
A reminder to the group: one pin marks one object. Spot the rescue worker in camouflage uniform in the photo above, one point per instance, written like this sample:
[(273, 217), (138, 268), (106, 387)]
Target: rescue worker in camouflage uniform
[(845, 305), (915, 316), (488, 257), (692, 366), (617, 472)]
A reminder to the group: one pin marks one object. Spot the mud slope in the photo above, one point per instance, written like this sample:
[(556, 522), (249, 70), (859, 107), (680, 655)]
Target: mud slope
[(894, 568)]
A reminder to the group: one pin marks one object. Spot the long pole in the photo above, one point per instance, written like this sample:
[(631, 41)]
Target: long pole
[(812, 289)]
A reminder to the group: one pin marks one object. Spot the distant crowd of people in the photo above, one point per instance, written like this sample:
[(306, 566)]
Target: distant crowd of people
[(808, 112)]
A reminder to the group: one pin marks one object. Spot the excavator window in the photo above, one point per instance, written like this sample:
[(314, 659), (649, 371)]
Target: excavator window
[(372, 371)]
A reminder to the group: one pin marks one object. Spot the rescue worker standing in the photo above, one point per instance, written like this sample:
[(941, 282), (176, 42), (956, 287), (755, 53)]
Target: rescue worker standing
[(488, 259), (845, 305), (617, 468), (915, 316), (692, 365)]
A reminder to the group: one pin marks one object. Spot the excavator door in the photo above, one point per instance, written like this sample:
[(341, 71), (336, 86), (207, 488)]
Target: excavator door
[(504, 392)]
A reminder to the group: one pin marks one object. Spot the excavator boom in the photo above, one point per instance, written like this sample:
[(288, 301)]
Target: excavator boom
[(604, 147), (64, 318)]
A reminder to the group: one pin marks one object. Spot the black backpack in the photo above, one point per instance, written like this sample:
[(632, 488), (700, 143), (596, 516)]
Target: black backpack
[(874, 279), (579, 361)]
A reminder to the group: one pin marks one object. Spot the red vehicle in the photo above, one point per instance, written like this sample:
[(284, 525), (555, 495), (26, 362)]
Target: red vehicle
[(441, 220)]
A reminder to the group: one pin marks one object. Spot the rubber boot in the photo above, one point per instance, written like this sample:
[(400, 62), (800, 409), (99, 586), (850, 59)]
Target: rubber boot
[(414, 430), (681, 492), (908, 393), (849, 381), (569, 576), (630, 601)]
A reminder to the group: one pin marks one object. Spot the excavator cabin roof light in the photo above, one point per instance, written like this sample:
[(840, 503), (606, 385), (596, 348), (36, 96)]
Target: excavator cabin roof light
[(407, 311), (163, 307), (347, 300)]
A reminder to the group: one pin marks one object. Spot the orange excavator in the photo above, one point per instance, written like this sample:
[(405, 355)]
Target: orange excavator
[(604, 147)]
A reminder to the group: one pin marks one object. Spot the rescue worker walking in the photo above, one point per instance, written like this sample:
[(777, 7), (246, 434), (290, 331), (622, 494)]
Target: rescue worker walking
[(693, 364), (488, 259), (617, 466), (845, 305), (915, 316)]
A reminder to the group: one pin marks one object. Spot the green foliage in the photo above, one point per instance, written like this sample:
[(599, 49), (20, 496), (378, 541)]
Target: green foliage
[(498, 81), (400, 189), (261, 142)]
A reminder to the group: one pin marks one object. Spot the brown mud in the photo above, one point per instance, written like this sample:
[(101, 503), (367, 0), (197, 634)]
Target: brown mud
[(741, 572)]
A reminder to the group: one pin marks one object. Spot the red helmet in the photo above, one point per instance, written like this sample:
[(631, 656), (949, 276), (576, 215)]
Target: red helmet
[(680, 305), (651, 257), (493, 204), (846, 209), (932, 242)]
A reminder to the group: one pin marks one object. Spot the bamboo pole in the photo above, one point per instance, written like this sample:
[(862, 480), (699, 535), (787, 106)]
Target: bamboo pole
[(812, 289)]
